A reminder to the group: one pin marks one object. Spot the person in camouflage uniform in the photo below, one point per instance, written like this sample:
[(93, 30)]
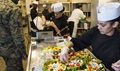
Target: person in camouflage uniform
[(12, 47)]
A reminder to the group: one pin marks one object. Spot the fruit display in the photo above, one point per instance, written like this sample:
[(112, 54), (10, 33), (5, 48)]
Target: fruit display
[(77, 61), (52, 48), (54, 65), (95, 64)]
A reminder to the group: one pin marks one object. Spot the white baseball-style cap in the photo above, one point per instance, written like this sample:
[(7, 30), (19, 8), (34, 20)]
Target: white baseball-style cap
[(58, 7), (108, 11), (35, 2), (44, 5)]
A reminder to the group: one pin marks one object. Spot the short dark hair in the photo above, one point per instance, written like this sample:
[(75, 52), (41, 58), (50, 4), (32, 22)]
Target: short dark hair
[(114, 20), (78, 5), (62, 9)]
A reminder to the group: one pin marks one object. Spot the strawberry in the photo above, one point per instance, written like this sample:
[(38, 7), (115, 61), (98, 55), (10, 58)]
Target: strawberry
[(78, 64), (72, 65), (51, 62), (60, 70), (46, 67)]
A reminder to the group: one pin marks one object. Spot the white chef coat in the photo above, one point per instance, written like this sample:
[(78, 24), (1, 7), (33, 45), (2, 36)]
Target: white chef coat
[(76, 15), (38, 22)]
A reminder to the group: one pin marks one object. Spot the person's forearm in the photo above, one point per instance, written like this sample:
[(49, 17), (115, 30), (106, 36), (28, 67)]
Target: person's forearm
[(44, 20), (57, 30)]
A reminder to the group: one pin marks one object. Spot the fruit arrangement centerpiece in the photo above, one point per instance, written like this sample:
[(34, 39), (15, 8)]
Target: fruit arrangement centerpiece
[(95, 64), (81, 60), (54, 65), (77, 61)]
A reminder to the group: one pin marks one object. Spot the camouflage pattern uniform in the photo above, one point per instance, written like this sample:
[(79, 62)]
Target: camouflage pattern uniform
[(12, 47)]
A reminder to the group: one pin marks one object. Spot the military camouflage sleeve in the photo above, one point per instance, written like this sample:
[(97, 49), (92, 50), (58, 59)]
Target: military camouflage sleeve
[(16, 28)]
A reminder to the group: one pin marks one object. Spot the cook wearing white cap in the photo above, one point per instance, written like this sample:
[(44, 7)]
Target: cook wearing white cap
[(108, 11), (74, 19), (58, 9), (105, 14), (44, 5), (59, 20), (33, 14), (35, 2), (104, 38), (46, 12), (51, 13)]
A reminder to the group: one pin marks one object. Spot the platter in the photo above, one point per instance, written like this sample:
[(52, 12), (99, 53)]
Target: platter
[(82, 60), (54, 65)]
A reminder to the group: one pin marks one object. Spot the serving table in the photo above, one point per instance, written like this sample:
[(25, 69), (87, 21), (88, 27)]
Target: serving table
[(37, 58)]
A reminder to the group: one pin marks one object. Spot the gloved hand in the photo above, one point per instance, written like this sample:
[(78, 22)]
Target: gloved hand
[(116, 66), (64, 54)]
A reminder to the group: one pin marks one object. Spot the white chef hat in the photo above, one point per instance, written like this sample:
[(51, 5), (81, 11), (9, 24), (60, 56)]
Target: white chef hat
[(58, 7), (108, 11), (35, 2), (44, 5)]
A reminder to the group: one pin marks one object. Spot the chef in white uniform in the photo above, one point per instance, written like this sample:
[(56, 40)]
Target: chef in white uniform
[(76, 15)]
